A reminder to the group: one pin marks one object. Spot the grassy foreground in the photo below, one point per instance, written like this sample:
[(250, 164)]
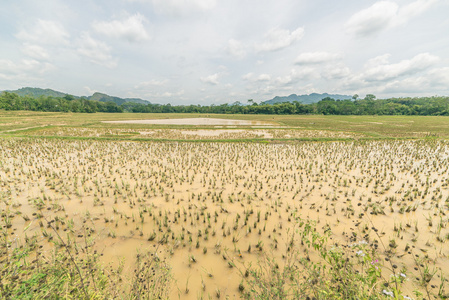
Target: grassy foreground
[(323, 271), (31, 269)]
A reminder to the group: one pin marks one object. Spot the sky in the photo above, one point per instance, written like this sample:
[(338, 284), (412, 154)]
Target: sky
[(222, 51)]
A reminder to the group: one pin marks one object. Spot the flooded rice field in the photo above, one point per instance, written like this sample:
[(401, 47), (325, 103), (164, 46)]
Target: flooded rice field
[(194, 134), (211, 209), (197, 122)]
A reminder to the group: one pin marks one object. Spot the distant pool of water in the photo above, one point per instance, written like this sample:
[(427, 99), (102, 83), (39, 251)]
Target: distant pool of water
[(196, 121)]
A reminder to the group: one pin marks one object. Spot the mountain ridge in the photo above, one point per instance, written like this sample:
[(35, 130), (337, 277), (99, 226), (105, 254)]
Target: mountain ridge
[(102, 97), (38, 92), (305, 99), (117, 100)]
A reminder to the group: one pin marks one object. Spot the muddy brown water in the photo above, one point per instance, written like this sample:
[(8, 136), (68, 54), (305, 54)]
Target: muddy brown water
[(211, 201), (196, 121), (231, 133)]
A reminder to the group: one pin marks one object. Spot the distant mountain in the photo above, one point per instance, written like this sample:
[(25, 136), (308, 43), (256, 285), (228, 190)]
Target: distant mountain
[(306, 99), (119, 101), (37, 92)]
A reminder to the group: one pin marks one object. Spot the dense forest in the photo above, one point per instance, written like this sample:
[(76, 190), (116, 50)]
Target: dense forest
[(68, 103), (369, 105)]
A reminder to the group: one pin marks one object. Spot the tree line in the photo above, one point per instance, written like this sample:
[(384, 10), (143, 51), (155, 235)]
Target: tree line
[(424, 106), (68, 103)]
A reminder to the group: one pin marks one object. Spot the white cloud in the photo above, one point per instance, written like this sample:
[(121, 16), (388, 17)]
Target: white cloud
[(35, 51), (236, 48), (151, 83), (26, 68), (383, 15), (285, 80), (181, 7), (414, 84), (414, 9), (263, 77), (7, 66), (353, 82), (171, 94), (248, 76), (439, 78), (311, 58), (434, 79), (378, 68), (131, 29), (97, 52), (296, 75), (165, 94), (90, 91), (253, 78), (336, 71), (25, 65), (211, 79), (182, 43), (415, 75), (377, 61), (264, 84), (278, 38), (373, 19), (45, 32)]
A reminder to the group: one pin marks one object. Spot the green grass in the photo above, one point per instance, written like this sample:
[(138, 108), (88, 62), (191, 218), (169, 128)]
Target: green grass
[(376, 127), (71, 270)]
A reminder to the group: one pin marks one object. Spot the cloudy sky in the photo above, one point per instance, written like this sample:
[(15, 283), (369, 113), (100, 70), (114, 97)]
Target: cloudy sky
[(217, 51)]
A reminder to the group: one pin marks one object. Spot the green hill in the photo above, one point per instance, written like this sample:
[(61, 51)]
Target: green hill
[(38, 92), (306, 99), (119, 101)]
